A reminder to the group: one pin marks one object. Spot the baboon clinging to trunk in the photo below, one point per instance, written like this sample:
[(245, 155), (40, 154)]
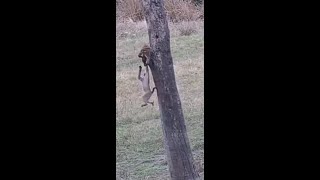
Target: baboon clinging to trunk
[(146, 86), (145, 55)]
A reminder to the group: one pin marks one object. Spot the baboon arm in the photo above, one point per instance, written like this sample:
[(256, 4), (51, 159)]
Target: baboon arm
[(139, 75), (144, 60)]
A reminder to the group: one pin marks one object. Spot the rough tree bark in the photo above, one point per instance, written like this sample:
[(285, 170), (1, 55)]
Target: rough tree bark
[(179, 155)]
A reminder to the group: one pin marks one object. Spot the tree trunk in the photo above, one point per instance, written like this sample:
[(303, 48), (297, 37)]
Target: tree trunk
[(179, 155)]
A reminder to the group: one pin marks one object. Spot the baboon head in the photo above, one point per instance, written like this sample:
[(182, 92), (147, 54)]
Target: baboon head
[(144, 54)]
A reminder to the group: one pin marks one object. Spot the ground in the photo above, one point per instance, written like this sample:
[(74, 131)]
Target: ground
[(140, 153)]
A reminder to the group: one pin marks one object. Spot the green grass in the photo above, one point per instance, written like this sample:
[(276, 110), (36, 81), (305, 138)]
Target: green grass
[(140, 151)]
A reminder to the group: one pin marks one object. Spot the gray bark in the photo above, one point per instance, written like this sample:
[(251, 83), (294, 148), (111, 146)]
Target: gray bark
[(179, 155)]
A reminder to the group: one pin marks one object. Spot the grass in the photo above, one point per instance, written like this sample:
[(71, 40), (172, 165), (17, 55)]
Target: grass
[(177, 10), (140, 152)]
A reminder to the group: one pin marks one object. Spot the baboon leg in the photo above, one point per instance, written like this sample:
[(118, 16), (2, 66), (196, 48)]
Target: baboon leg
[(146, 97), (139, 74), (153, 89)]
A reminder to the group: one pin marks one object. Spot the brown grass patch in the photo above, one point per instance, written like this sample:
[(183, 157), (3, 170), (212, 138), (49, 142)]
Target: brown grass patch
[(177, 10)]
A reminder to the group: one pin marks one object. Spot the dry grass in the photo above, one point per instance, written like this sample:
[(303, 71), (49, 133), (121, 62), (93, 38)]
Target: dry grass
[(128, 30), (140, 153), (177, 10), (129, 9), (187, 28), (182, 10)]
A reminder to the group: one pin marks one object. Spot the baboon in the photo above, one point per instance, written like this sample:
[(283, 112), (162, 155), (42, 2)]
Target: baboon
[(145, 55), (146, 86)]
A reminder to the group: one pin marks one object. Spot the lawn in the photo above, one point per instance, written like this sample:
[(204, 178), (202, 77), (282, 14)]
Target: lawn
[(140, 153)]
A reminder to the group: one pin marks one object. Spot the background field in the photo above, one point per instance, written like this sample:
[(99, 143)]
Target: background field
[(140, 153)]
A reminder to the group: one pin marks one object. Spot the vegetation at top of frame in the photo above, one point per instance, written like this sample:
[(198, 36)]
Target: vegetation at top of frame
[(177, 10)]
